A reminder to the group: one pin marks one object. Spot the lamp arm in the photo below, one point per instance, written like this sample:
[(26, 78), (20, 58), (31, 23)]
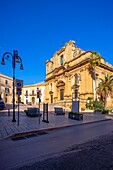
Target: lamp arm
[(7, 53), (20, 59)]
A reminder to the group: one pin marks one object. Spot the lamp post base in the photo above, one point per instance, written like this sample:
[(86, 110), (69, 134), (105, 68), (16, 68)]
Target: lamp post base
[(13, 120)]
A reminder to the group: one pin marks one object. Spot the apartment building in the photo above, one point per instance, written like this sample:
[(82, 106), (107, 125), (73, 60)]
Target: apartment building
[(6, 89), (29, 93)]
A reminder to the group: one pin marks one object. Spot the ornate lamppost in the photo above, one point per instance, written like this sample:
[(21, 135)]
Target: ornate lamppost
[(15, 58)]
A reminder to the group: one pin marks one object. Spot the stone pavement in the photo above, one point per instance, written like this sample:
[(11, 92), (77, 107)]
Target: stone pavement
[(33, 125)]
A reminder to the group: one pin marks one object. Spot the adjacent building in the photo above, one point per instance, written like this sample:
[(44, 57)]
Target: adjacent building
[(29, 93), (68, 76), (6, 89)]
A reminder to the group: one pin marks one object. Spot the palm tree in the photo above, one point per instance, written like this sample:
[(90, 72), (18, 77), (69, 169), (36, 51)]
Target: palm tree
[(94, 61), (105, 88)]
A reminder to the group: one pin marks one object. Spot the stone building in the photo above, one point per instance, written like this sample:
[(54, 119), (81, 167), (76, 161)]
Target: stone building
[(6, 89), (68, 77), (29, 93)]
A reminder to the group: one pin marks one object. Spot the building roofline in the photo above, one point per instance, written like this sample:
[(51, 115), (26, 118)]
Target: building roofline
[(34, 85)]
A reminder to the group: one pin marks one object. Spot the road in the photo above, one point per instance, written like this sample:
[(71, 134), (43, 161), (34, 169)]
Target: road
[(17, 153)]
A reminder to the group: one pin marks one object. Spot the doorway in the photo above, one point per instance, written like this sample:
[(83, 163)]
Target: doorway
[(33, 100)]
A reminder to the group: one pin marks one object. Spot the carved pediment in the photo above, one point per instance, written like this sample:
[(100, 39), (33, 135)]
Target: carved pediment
[(50, 92), (59, 70), (60, 83), (75, 86), (77, 52)]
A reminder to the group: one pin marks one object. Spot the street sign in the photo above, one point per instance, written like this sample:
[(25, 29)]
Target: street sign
[(19, 83)]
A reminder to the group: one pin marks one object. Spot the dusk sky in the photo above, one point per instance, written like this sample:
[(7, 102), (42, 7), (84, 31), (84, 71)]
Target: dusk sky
[(39, 28)]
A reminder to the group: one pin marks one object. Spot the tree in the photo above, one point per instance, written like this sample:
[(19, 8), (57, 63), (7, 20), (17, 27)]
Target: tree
[(94, 61), (105, 88)]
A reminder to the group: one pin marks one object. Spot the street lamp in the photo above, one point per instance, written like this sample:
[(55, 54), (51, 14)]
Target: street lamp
[(15, 58)]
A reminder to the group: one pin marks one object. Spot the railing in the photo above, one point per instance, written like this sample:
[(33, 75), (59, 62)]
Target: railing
[(32, 94), (26, 95)]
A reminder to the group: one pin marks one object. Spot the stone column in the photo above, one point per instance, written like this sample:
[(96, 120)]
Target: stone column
[(55, 91)]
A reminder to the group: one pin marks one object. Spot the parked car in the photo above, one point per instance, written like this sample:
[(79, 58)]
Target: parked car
[(2, 105)]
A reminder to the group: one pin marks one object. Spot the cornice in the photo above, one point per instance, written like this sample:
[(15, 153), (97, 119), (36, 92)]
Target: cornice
[(61, 50), (103, 65), (49, 61), (81, 63), (68, 69)]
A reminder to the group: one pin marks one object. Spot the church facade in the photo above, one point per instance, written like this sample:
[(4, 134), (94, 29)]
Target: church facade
[(68, 77)]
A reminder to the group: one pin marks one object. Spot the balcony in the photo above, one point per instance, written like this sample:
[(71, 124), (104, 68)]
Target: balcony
[(26, 95), (32, 94)]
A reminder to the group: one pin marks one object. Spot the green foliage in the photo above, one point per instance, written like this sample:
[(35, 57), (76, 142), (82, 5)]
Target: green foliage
[(94, 104), (105, 111), (98, 105), (89, 98), (26, 111), (94, 59), (105, 88), (34, 115), (110, 108), (89, 103)]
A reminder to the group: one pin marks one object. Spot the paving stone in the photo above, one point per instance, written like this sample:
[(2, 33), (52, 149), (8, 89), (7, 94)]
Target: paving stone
[(8, 127)]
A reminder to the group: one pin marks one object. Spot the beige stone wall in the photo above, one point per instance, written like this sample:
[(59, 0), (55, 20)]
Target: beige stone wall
[(32, 97), (76, 61), (7, 96)]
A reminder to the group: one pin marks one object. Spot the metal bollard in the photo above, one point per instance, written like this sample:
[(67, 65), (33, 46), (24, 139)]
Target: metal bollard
[(8, 112)]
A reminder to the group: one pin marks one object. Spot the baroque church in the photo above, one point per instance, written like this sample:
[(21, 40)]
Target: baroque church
[(68, 77)]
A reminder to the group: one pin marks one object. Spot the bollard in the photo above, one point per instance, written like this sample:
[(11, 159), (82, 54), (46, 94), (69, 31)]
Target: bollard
[(45, 113), (8, 112)]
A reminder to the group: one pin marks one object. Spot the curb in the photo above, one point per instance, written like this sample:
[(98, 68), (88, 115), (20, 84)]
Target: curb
[(49, 129)]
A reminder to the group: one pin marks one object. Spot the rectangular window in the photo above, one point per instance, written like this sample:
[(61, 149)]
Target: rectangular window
[(7, 90), (61, 60), (26, 93), (61, 94), (32, 92), (6, 82)]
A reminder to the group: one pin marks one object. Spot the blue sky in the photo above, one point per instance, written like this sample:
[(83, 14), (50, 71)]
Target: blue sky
[(38, 28)]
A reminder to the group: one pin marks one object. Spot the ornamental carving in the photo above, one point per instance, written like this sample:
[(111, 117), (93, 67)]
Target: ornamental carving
[(50, 92), (60, 83)]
